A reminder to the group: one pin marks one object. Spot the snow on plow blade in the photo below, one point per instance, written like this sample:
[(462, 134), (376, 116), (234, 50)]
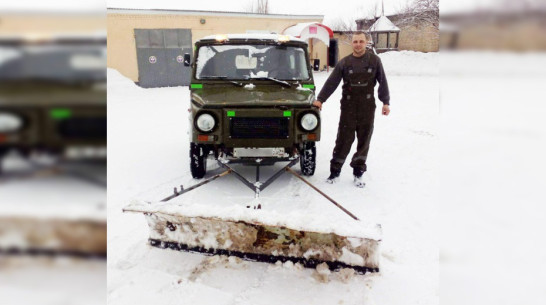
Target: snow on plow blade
[(29, 234), (256, 240)]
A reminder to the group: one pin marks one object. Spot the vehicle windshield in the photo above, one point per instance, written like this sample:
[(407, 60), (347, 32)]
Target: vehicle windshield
[(62, 63), (241, 62)]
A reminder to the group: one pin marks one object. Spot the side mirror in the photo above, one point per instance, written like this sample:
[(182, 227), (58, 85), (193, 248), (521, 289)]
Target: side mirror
[(187, 59)]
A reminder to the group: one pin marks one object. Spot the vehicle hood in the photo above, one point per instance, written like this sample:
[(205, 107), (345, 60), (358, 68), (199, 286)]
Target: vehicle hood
[(32, 94), (257, 96)]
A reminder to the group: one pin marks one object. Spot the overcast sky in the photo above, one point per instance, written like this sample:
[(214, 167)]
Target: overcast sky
[(331, 9)]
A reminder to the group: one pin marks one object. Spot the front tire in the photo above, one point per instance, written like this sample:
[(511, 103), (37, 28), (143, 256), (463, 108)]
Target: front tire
[(198, 160), (308, 159)]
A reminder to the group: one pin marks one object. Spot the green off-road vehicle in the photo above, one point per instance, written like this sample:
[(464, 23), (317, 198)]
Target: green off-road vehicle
[(251, 101), (53, 95)]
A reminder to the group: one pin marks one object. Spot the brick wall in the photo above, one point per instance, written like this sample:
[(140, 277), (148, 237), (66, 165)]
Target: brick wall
[(419, 38)]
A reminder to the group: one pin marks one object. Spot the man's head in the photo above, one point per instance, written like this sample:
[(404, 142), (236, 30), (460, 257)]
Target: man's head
[(359, 42)]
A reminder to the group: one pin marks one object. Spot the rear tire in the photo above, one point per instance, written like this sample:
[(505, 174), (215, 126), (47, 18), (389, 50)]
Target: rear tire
[(308, 159), (198, 160)]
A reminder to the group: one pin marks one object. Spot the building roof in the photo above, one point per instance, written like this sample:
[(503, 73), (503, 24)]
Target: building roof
[(310, 30), (383, 24), (131, 11)]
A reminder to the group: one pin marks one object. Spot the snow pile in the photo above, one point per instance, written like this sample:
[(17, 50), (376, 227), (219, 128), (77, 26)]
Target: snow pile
[(119, 84), (410, 63)]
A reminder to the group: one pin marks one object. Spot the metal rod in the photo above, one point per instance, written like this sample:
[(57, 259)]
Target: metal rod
[(176, 194), (258, 173), (239, 176), (288, 169), (277, 174)]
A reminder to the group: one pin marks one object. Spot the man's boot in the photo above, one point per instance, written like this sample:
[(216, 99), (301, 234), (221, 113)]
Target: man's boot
[(334, 176), (358, 177)]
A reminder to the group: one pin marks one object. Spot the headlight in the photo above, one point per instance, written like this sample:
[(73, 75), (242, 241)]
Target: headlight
[(205, 122), (309, 121), (10, 122)]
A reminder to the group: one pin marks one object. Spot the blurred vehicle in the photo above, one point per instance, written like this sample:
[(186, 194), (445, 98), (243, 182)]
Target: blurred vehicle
[(53, 94)]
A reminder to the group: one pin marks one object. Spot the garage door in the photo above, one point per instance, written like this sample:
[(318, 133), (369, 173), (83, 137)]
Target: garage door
[(160, 55)]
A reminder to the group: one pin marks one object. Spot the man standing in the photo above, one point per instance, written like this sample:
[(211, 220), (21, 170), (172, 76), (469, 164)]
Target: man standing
[(360, 72)]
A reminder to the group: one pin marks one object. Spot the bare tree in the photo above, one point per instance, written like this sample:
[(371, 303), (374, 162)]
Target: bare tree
[(257, 6), (420, 13), (343, 24), (347, 24)]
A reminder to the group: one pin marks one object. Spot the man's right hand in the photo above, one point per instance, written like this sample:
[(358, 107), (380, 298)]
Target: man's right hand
[(318, 104)]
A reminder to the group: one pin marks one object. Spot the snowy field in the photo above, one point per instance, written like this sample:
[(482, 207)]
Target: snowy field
[(41, 202), (492, 178), (148, 148), (52, 281)]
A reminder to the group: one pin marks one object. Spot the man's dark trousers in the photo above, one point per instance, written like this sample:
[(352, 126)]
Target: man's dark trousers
[(357, 117)]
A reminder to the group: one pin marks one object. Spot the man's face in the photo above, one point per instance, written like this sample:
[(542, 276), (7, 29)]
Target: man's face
[(359, 44)]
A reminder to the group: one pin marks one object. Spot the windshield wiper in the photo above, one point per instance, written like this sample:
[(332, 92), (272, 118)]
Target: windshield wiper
[(213, 77), (238, 84), (284, 83)]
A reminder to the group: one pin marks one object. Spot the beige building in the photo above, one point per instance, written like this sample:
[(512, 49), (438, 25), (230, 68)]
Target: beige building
[(126, 25), (39, 24), (514, 31)]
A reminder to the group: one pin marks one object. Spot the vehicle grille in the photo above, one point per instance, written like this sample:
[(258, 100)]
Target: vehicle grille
[(259, 128), (83, 128)]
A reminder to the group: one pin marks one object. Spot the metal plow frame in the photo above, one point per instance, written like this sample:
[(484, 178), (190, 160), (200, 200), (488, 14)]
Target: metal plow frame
[(255, 241)]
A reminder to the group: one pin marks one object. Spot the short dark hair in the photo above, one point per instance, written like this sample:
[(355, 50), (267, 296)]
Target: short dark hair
[(360, 33)]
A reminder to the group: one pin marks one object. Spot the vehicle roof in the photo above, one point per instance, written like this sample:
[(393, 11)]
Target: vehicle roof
[(254, 36)]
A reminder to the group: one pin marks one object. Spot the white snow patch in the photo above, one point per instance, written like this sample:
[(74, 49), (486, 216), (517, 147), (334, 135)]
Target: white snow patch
[(303, 89), (227, 244), (410, 63), (351, 258), (209, 241), (355, 242), (259, 74), (12, 239), (250, 86), (310, 253)]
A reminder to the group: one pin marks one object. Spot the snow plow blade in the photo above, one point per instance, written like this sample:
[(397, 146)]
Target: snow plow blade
[(258, 240)]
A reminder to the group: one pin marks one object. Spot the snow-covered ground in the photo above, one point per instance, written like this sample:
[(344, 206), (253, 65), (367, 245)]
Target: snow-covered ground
[(51, 281), (148, 147), (54, 193), (492, 178), (38, 210)]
